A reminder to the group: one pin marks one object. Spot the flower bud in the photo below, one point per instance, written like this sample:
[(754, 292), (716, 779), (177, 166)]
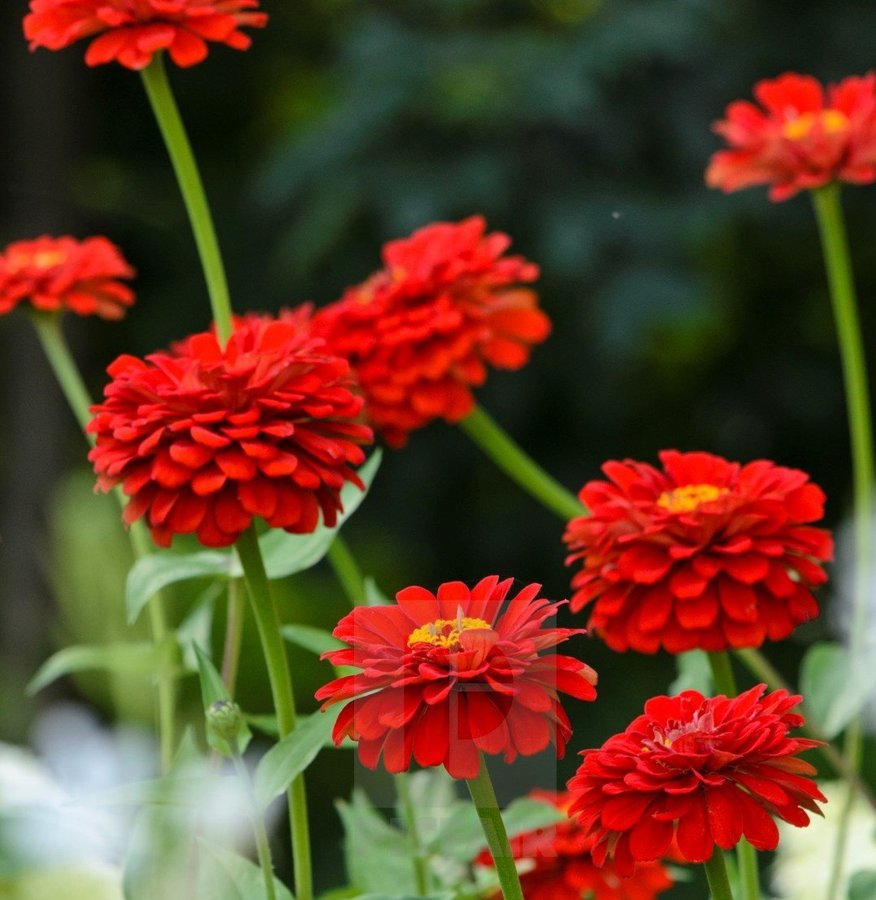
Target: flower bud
[(225, 720)]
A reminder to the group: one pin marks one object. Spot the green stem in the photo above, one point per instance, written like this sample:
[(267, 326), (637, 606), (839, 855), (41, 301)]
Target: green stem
[(51, 336), (764, 671), (421, 874), (263, 847), (837, 260), (347, 571), (173, 131), (746, 855), (484, 798), (716, 874), (236, 610), (268, 621), (509, 457)]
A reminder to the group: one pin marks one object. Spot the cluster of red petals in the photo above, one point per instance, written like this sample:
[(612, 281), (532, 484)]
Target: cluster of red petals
[(446, 676), (421, 332), (132, 31), (801, 136), (202, 438), (706, 554), (704, 771), (558, 865), (62, 273)]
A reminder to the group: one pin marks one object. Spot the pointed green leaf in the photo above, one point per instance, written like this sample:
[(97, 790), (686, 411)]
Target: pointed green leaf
[(316, 640), (225, 875), (134, 658), (373, 595), (833, 688), (158, 570), (285, 761), (694, 673)]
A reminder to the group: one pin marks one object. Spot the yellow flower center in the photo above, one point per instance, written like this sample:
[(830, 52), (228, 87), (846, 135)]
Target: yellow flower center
[(832, 121), (445, 632), (689, 496), (42, 259)]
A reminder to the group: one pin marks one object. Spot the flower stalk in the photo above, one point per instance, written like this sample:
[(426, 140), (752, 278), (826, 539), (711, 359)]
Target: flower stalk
[(837, 260), (519, 466), (484, 798), (51, 337), (178, 147), (268, 622), (716, 874)]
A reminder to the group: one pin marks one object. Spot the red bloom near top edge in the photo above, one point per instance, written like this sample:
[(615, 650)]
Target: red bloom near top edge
[(707, 554), (202, 439), (558, 865), (133, 31), (422, 331), (801, 136), (56, 274), (705, 771), (447, 675)]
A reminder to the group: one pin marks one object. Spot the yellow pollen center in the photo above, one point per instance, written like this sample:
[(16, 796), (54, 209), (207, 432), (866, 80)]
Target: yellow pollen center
[(832, 121), (689, 496), (42, 259), (445, 632)]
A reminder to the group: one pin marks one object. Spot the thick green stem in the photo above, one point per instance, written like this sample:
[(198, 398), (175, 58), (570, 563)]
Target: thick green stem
[(518, 466), (716, 874), (421, 875), (186, 169), (236, 610), (347, 571), (268, 621), (49, 331), (746, 855), (484, 799), (837, 260), (263, 847)]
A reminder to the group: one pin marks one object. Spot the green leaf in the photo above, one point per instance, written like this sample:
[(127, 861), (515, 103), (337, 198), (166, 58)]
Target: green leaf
[(224, 875), (286, 554), (138, 658), (152, 573), (373, 595), (863, 886), (175, 790), (285, 761), (212, 690), (316, 640), (694, 673), (834, 689)]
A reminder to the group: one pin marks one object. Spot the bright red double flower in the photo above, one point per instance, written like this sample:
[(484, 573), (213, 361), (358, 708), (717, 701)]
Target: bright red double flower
[(56, 274), (202, 439), (706, 554), (801, 136), (422, 332), (558, 864), (446, 676), (133, 31), (702, 771)]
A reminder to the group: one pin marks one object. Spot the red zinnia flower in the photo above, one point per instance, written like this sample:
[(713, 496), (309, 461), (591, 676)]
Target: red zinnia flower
[(706, 770), (62, 273), (447, 676), (707, 554), (559, 865), (133, 31), (801, 137), (202, 438), (421, 332)]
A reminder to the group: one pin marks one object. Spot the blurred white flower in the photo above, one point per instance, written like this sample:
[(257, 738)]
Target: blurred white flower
[(802, 866)]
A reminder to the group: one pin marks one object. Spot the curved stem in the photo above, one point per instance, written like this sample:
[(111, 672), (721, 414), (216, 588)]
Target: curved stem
[(837, 260), (347, 571), (263, 847), (764, 671), (484, 798), (268, 621), (716, 874), (520, 467), (725, 683), (233, 634), (421, 875), (51, 336), (175, 138)]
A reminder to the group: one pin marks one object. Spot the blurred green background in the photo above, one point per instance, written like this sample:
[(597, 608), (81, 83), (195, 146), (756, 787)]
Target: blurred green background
[(683, 318)]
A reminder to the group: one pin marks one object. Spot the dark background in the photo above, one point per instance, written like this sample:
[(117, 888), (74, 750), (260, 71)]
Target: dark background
[(683, 318)]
